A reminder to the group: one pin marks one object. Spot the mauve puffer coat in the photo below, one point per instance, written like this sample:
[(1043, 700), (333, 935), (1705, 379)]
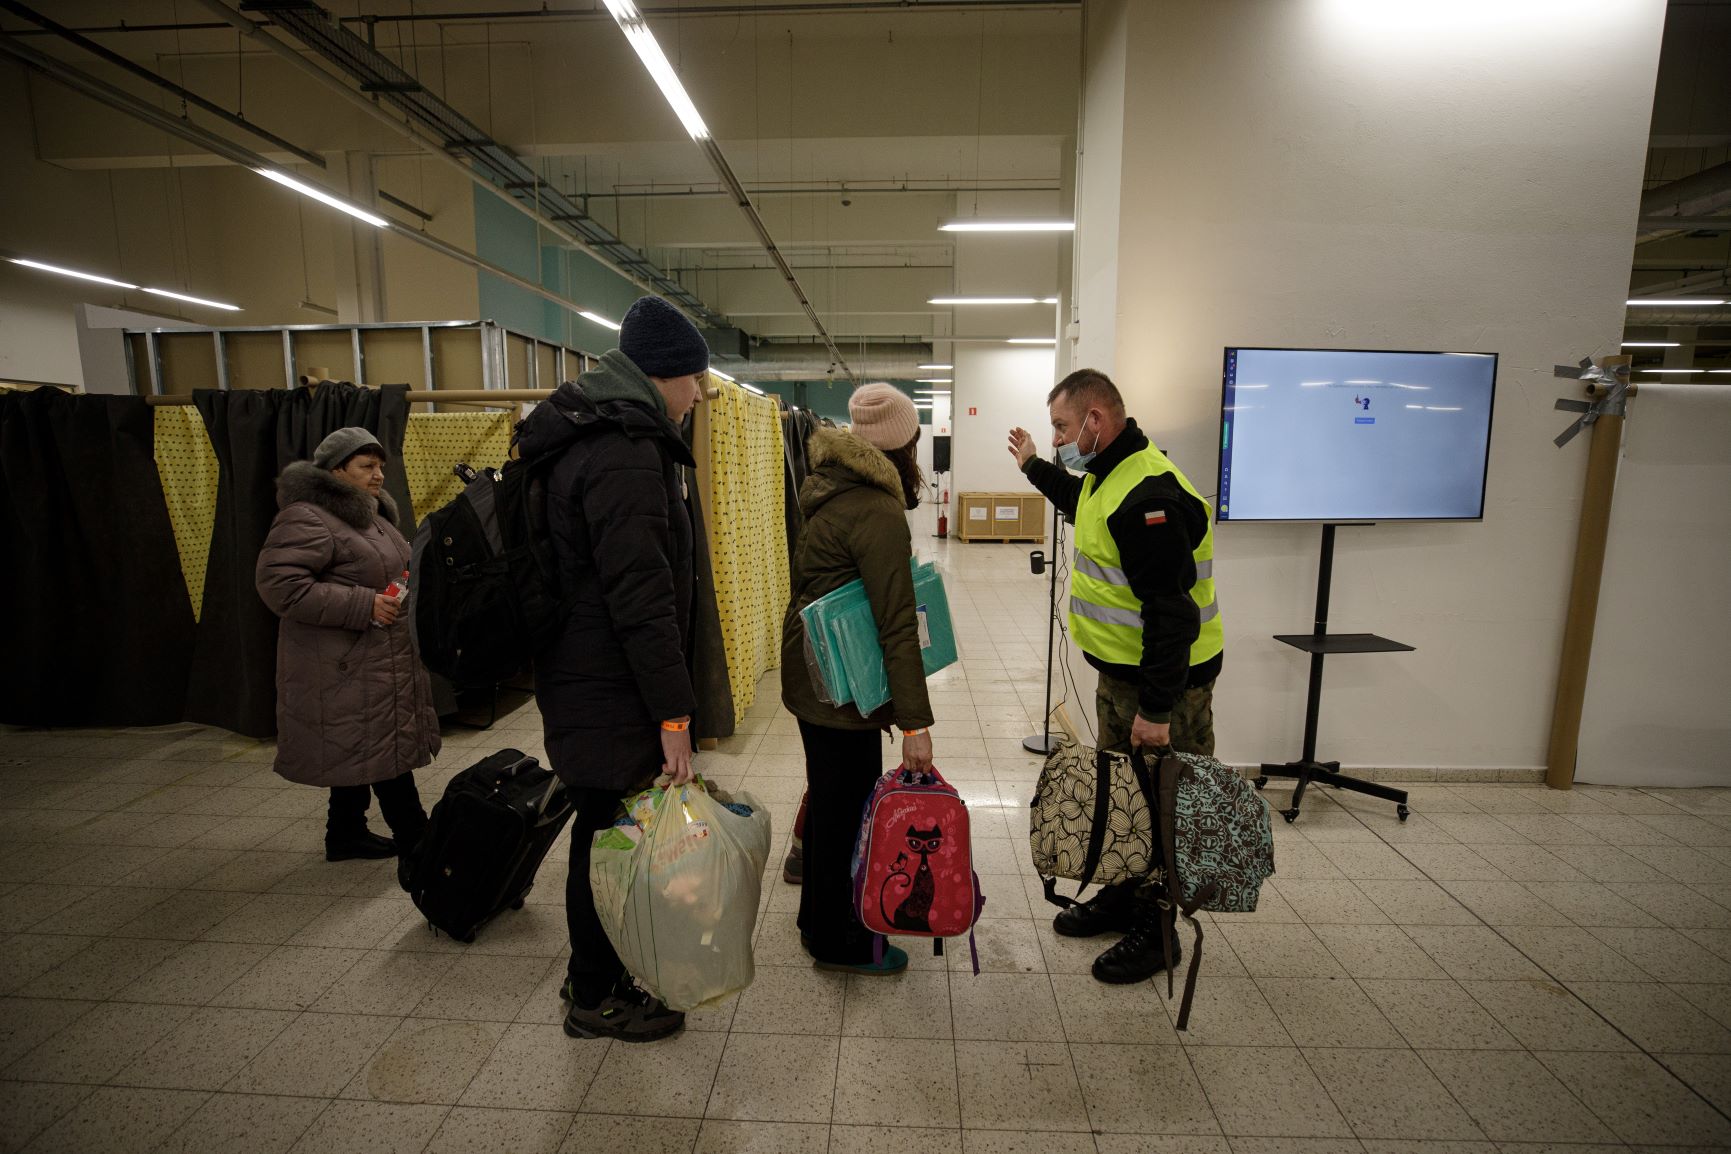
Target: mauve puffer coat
[(353, 702)]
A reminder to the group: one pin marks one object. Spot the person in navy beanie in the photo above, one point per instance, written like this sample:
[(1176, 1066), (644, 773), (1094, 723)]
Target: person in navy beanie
[(660, 340), (613, 687)]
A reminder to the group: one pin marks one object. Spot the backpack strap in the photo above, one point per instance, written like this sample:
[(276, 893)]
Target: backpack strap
[(1168, 770), (1096, 833)]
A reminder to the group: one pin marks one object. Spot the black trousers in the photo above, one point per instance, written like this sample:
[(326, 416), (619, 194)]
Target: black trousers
[(595, 968), (399, 803), (841, 767)]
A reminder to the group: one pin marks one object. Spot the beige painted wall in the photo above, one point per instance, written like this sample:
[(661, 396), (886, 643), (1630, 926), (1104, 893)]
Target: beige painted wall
[(1348, 173), (215, 231)]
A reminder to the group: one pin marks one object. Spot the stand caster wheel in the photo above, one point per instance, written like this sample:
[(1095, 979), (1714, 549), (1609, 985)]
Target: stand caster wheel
[(1259, 782), (1290, 815), (1401, 812)]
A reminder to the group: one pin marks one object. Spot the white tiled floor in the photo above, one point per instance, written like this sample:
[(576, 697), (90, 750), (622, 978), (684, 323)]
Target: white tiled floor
[(1515, 970)]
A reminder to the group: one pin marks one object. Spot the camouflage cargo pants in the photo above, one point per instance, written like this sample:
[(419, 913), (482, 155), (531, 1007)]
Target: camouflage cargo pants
[(1192, 717)]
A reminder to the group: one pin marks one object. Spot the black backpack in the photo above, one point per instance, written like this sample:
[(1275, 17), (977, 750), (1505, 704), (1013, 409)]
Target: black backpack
[(486, 586)]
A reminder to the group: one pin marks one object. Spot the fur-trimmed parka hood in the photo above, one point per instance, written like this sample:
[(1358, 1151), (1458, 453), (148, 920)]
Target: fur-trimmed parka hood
[(305, 481), (841, 461)]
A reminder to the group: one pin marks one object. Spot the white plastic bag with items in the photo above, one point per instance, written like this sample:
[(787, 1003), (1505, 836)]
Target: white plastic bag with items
[(677, 883)]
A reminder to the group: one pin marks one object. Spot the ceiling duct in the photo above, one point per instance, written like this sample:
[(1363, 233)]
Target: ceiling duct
[(381, 77), (1698, 195), (787, 361)]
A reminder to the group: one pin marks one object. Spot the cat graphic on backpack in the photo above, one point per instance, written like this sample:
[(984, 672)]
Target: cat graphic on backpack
[(914, 915)]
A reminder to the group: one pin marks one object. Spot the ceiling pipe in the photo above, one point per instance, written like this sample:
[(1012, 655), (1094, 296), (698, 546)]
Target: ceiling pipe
[(122, 101), (435, 149), (1675, 207), (162, 82)]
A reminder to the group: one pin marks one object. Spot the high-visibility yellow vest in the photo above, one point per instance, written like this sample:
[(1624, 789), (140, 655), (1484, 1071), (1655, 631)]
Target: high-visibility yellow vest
[(1105, 616)]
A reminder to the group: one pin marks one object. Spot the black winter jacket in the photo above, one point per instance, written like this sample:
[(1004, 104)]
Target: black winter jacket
[(622, 537)]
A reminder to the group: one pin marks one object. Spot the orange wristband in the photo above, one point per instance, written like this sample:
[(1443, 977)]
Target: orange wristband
[(913, 732), (676, 726)]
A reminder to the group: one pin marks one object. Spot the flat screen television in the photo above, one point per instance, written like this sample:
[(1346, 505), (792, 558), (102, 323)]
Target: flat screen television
[(1354, 435)]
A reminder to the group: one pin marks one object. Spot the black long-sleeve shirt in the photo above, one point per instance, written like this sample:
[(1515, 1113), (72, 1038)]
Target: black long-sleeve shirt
[(1159, 559)]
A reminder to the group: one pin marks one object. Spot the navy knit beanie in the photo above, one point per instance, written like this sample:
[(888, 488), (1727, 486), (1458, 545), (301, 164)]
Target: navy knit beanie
[(661, 342)]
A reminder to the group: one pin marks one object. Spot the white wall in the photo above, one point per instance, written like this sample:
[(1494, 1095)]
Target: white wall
[(1353, 173), (997, 387)]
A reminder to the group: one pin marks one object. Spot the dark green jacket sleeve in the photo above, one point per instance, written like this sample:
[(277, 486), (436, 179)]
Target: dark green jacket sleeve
[(882, 546)]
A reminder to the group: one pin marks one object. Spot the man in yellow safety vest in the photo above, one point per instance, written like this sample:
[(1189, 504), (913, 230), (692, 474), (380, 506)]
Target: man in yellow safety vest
[(1142, 610)]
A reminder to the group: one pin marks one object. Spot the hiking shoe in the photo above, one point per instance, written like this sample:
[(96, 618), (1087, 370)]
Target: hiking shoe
[(365, 845), (793, 869), (1139, 955), (628, 1015), (1111, 911), (895, 960)]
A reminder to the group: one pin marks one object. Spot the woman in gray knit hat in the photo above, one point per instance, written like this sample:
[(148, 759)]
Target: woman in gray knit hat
[(354, 707)]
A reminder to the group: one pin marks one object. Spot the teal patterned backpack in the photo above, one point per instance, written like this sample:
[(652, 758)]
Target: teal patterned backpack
[(1216, 843)]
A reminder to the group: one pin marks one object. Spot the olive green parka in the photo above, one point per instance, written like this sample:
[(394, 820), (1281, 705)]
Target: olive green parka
[(856, 527)]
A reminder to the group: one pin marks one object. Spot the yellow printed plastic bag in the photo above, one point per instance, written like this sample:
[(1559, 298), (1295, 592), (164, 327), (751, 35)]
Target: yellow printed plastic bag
[(676, 884)]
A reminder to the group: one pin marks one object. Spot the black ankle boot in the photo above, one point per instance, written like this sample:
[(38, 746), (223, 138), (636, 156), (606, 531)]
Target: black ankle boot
[(364, 845), (1111, 911), (1140, 953)]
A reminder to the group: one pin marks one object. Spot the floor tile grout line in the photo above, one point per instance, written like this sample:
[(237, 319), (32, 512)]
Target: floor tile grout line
[(1552, 978)]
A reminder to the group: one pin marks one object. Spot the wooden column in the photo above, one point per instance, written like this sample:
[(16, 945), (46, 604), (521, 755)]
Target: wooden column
[(1605, 446)]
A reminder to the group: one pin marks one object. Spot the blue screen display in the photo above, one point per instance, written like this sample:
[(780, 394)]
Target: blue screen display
[(1352, 435)]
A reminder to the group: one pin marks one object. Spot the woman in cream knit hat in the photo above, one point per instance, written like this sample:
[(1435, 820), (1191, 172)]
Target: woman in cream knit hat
[(855, 502)]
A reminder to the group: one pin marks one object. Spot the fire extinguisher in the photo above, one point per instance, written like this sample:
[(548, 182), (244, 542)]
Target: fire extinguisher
[(944, 514)]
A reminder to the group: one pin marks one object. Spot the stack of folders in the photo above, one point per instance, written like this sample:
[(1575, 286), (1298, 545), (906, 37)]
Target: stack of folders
[(841, 640)]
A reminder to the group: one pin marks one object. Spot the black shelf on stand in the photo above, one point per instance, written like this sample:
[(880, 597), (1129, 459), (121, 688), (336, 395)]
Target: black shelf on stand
[(1319, 644)]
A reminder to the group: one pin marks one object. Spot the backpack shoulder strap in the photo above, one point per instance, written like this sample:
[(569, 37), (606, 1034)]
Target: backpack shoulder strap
[(1168, 771)]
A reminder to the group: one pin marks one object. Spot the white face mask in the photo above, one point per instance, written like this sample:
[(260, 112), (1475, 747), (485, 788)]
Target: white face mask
[(1072, 455)]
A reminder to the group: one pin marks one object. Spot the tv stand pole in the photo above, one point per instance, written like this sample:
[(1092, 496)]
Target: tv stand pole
[(1319, 643)]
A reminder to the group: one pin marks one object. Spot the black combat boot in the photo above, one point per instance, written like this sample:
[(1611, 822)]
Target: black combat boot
[(1140, 953), (1111, 911)]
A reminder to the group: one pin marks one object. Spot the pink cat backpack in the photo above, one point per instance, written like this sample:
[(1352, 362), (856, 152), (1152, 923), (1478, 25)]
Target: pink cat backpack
[(913, 866)]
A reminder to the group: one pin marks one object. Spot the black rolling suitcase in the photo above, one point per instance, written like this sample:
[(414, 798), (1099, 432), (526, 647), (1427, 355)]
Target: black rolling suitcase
[(484, 842)]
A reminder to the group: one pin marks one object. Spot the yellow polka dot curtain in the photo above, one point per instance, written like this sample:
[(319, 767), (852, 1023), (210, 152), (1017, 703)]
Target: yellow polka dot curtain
[(747, 533), (187, 467), (434, 442)]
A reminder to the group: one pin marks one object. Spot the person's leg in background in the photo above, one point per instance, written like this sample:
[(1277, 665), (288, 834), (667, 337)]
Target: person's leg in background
[(400, 806), (841, 768), (346, 833), (793, 868)]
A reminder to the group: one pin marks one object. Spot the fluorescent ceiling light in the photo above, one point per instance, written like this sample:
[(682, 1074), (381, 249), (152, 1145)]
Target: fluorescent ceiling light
[(94, 279), (1675, 302), (1650, 344), (1442, 408), (1415, 406), (1008, 226), (993, 301), (1719, 370), (932, 392), (751, 387), (936, 381), (714, 372), (192, 300), (1414, 388), (323, 197), (944, 368), (1314, 384), (1033, 340), (597, 318), (1673, 370), (1250, 386), (72, 272), (1363, 382), (643, 42)]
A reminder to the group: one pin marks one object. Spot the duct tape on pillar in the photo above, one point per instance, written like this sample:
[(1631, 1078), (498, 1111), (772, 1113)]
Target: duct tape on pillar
[(1613, 400)]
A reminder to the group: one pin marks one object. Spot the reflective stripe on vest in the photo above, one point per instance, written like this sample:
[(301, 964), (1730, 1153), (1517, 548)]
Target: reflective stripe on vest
[(1105, 616)]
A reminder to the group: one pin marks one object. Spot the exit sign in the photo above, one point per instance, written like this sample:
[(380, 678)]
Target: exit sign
[(973, 411)]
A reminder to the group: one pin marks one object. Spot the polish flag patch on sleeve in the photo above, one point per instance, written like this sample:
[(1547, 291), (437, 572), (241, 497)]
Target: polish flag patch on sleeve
[(1154, 517)]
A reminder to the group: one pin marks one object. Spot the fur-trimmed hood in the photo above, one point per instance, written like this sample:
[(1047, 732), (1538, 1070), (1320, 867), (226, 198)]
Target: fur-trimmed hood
[(841, 461), (305, 481)]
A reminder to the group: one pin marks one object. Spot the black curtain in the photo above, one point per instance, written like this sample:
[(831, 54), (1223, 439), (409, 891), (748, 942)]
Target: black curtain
[(97, 627), (709, 681), (256, 434)]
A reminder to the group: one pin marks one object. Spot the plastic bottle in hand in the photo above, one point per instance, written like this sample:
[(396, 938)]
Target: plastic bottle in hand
[(397, 589)]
